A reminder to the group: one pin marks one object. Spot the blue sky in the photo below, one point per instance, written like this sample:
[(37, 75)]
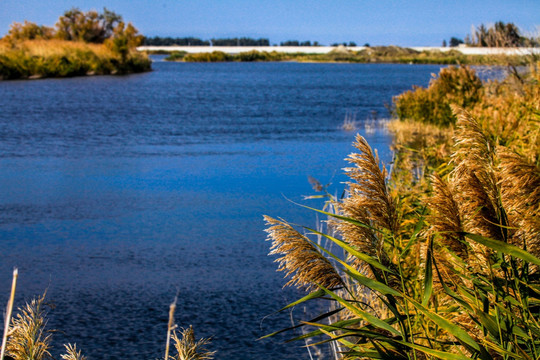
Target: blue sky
[(378, 22)]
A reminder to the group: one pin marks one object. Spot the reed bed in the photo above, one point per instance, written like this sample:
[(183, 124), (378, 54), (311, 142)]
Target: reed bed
[(376, 54), (439, 257), (60, 58)]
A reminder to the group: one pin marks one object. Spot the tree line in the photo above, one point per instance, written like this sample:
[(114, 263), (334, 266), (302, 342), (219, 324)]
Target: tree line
[(243, 41), (193, 41)]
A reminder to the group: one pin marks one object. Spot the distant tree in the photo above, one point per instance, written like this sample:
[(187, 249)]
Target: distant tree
[(499, 35), (352, 44), (123, 39), (89, 26), (290, 43), (444, 43), (29, 31), (240, 42), (366, 44), (455, 42), (316, 43)]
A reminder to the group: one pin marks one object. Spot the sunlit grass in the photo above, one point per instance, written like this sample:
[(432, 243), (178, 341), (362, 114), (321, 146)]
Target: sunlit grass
[(58, 58), (440, 257)]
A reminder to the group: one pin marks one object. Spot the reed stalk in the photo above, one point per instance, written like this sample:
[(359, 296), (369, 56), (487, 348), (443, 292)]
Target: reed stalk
[(170, 327), (9, 310)]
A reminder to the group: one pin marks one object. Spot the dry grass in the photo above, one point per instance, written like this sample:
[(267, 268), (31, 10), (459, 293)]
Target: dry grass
[(58, 58), (188, 348), (28, 339), (300, 259), (436, 250), (47, 48), (72, 353)]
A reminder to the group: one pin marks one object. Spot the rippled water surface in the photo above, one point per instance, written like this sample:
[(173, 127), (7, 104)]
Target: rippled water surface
[(117, 193)]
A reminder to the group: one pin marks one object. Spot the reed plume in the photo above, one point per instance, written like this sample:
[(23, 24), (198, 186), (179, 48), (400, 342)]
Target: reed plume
[(72, 353), (520, 189), (369, 190), (447, 230), (474, 180), (28, 338), (446, 219), (188, 348), (301, 260)]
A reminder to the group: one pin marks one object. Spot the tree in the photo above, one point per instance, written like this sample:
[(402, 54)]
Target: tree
[(29, 31), (124, 38), (444, 43), (455, 42), (90, 26)]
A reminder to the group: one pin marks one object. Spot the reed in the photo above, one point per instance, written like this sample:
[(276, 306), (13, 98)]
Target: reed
[(72, 353), (9, 310), (188, 348), (442, 264), (59, 58), (28, 338)]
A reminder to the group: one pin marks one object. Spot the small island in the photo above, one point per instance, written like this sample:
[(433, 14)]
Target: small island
[(80, 44)]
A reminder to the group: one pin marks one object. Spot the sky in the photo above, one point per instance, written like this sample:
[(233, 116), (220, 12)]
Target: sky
[(377, 22)]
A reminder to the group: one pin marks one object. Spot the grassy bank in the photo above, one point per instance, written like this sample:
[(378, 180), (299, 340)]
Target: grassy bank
[(438, 258), (59, 58), (379, 54)]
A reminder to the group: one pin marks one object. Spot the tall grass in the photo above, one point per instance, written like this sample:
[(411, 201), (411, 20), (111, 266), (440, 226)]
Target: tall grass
[(27, 337), (441, 262), (58, 58)]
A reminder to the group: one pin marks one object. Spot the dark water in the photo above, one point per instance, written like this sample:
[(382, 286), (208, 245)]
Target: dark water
[(116, 193)]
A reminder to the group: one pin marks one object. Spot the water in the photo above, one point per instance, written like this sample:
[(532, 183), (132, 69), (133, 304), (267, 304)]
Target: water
[(117, 193)]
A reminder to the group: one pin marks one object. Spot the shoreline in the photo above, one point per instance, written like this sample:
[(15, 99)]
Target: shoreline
[(327, 49)]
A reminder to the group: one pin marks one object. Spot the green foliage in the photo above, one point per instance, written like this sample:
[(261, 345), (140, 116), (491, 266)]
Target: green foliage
[(176, 56), (21, 63), (377, 54), (123, 39), (29, 31), (32, 51), (454, 85), (258, 56), (215, 56), (90, 26)]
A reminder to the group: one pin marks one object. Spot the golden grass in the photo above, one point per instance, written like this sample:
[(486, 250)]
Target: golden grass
[(188, 348), (28, 338), (300, 259), (446, 230), (72, 353), (54, 47), (58, 58)]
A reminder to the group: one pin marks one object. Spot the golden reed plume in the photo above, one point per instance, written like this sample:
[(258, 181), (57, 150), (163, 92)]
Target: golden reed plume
[(301, 260)]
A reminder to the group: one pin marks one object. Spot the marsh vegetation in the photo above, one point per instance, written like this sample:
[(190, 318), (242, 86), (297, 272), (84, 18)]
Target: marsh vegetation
[(439, 257), (375, 54), (82, 43)]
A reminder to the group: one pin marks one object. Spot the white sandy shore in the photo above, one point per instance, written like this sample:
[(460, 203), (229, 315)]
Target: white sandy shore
[(327, 49)]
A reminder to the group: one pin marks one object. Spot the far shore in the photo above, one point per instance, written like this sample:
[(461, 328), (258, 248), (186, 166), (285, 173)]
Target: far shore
[(327, 49)]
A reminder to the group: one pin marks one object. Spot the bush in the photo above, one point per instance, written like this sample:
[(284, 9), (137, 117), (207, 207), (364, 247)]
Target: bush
[(455, 85), (215, 56)]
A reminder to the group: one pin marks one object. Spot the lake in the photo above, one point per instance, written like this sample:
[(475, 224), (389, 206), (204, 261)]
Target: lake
[(117, 193)]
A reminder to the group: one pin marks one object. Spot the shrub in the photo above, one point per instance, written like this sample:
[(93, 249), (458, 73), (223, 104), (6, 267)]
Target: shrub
[(455, 85), (215, 56)]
